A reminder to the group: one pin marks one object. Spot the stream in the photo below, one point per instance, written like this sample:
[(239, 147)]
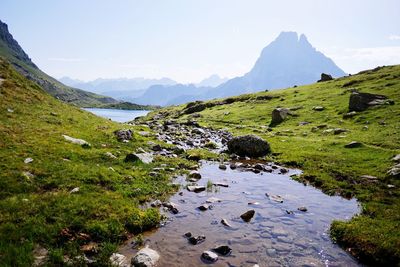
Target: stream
[(278, 234)]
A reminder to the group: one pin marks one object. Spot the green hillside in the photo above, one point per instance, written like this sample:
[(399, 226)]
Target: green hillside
[(307, 139), (12, 51), (37, 207)]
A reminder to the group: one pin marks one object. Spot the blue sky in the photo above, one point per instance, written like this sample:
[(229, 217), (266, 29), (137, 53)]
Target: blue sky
[(188, 40)]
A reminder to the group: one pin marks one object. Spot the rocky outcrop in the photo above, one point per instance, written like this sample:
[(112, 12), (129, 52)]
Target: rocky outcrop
[(361, 101), (249, 145), (325, 77)]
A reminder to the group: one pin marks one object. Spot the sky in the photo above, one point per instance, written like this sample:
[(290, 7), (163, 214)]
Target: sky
[(188, 40)]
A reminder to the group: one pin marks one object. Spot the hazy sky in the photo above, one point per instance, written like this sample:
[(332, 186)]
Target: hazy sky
[(188, 40)]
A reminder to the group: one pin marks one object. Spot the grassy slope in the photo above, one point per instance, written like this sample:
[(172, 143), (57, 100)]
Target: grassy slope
[(40, 209), (375, 235)]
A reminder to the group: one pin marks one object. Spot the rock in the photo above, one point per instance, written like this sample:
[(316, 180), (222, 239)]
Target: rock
[(276, 198), (197, 240), (302, 123), (232, 166), (145, 257), (361, 101), (396, 158), (318, 108), (223, 250), (203, 207), (75, 140), (28, 160), (196, 188), (156, 203), (213, 200), (259, 166), (118, 260), (303, 209), (40, 255), (226, 223), (209, 256), (198, 131), (156, 148), (247, 215), (75, 190), (325, 77), (249, 145), (131, 157), (145, 157), (353, 144), (9, 109), (339, 131), (188, 234), (394, 171), (222, 167), (255, 203), (195, 174), (123, 135), (349, 115), (172, 207), (27, 175), (110, 155), (221, 184), (144, 133), (279, 115)]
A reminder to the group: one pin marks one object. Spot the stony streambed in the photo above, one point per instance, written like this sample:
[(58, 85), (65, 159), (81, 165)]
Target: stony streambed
[(290, 223)]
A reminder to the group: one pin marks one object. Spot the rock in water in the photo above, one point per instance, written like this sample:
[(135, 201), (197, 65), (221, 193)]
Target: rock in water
[(209, 256), (247, 215), (223, 250), (196, 188), (145, 257), (361, 101), (325, 77), (279, 115), (197, 240), (303, 209), (123, 135), (249, 145), (195, 175)]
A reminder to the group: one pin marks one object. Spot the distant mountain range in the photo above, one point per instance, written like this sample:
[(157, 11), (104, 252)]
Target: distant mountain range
[(289, 60), (11, 51), (133, 88)]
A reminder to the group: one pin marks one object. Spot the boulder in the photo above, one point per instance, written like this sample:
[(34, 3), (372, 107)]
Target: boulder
[(279, 115), (209, 256), (353, 144), (195, 174), (361, 101), (222, 167), (123, 135), (226, 223), (303, 209), (394, 171), (194, 240), (145, 257), (117, 259), (325, 77), (318, 108), (28, 160), (247, 215), (196, 188), (223, 250), (131, 157), (249, 145)]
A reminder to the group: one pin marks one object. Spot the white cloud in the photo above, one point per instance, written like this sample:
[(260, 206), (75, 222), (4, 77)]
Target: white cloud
[(356, 59), (394, 37), (63, 59)]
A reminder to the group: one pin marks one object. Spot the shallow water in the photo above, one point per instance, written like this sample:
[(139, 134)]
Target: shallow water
[(272, 238), (117, 115)]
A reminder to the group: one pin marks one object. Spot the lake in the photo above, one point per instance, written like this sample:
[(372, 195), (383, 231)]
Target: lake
[(117, 115)]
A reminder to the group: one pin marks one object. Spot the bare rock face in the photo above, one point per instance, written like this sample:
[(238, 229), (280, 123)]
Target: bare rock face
[(361, 101), (249, 145), (145, 257), (279, 115)]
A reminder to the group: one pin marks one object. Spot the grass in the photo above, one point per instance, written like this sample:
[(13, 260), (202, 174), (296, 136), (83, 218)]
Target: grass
[(374, 235), (36, 206)]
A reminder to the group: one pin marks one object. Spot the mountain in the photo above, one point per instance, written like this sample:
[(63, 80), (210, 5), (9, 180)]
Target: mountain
[(13, 52), (212, 81), (122, 88), (289, 60), (170, 95)]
